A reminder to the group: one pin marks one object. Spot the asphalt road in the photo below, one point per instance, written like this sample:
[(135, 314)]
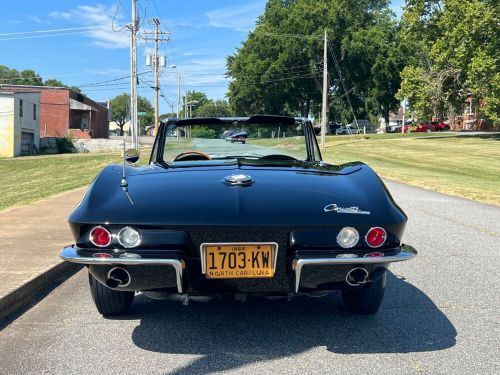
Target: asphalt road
[(440, 316)]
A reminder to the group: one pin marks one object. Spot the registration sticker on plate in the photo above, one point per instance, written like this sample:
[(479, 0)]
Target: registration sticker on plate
[(237, 261)]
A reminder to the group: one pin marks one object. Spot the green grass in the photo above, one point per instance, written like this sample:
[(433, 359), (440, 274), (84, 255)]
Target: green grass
[(27, 179), (465, 166)]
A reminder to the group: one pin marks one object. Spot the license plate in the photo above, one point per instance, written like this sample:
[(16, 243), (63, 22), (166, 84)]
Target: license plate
[(239, 261)]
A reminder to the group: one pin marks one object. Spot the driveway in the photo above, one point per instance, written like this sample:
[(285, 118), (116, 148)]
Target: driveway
[(439, 316)]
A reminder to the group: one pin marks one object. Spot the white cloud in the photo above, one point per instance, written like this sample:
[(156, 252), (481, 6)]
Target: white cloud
[(103, 20), (38, 20), (241, 18)]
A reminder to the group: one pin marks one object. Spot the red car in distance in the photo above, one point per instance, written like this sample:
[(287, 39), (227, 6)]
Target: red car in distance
[(432, 127)]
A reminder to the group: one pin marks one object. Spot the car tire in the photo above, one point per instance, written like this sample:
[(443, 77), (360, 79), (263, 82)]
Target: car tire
[(428, 131), (366, 300), (108, 301), (243, 142)]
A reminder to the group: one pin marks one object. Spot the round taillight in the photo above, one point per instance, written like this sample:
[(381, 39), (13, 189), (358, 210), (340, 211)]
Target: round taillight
[(376, 237), (100, 236), (347, 237), (129, 237)]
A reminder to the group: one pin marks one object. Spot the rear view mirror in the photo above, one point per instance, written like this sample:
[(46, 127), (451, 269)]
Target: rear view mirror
[(131, 155)]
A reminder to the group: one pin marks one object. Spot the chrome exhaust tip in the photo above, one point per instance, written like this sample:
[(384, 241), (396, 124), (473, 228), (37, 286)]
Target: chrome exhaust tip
[(357, 276), (118, 277)]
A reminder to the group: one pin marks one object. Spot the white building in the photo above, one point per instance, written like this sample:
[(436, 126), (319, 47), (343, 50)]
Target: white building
[(19, 123)]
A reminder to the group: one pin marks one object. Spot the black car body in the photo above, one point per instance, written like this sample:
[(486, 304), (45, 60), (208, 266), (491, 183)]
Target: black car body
[(280, 222)]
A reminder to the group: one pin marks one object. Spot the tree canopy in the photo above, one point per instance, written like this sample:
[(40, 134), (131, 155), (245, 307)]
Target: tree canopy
[(28, 77), (278, 69), (458, 46), (441, 52), (120, 113)]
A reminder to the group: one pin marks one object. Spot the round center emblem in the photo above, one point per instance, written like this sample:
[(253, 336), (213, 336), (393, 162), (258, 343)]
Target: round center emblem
[(238, 179)]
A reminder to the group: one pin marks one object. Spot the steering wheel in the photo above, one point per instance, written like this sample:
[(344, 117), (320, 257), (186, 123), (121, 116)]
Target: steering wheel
[(277, 157), (192, 155)]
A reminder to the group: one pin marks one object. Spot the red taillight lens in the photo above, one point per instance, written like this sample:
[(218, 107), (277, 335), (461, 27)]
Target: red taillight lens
[(100, 236), (376, 237)]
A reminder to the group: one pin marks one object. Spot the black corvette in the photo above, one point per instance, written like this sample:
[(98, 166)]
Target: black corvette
[(209, 217)]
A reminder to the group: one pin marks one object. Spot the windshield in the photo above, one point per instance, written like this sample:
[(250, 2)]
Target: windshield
[(234, 141)]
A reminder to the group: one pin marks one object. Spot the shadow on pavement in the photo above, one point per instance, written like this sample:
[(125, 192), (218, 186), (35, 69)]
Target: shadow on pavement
[(229, 334)]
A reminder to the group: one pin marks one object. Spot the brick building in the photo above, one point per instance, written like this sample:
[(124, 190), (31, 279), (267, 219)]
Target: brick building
[(66, 112)]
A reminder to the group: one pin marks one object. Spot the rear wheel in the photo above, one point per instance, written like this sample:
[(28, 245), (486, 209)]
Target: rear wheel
[(109, 301), (366, 300)]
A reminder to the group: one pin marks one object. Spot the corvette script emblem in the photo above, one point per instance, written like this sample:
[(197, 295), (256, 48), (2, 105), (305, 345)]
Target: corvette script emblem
[(345, 210)]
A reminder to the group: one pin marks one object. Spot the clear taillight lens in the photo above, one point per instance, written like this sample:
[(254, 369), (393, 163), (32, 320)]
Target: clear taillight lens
[(348, 237), (129, 237)]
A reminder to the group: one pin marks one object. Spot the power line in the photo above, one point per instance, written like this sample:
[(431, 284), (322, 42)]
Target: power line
[(44, 36), (49, 31)]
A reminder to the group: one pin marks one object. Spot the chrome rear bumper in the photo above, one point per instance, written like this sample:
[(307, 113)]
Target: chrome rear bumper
[(407, 253), (70, 254)]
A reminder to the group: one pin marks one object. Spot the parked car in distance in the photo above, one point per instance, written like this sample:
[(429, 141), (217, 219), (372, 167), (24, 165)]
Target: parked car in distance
[(204, 218), (347, 129), (439, 126), (397, 128), (333, 126), (423, 128), (238, 136), (432, 127)]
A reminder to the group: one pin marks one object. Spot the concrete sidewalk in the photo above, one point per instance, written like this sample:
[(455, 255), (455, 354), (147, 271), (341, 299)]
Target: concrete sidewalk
[(30, 239)]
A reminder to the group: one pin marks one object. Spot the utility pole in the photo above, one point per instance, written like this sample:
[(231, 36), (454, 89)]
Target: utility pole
[(404, 113), (155, 68), (156, 63), (324, 108), (134, 27), (178, 93)]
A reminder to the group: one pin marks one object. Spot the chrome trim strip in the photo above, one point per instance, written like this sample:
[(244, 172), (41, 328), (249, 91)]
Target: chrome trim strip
[(202, 251), (407, 253), (69, 254)]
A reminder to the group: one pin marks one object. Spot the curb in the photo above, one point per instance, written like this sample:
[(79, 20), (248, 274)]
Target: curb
[(24, 293)]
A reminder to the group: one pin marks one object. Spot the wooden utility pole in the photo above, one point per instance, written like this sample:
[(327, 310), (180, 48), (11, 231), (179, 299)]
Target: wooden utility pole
[(156, 38), (324, 108), (178, 94), (155, 68), (134, 27)]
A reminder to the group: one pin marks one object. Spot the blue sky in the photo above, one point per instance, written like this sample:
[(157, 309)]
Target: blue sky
[(88, 51)]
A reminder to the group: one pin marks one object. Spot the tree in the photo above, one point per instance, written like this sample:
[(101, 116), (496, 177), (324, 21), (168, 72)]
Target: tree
[(120, 113), (278, 69), (54, 83), (197, 98), (24, 77), (459, 45), (218, 108)]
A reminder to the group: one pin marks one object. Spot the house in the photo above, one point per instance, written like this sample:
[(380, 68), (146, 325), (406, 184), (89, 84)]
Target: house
[(471, 119), (65, 112), (114, 129), (19, 123)]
